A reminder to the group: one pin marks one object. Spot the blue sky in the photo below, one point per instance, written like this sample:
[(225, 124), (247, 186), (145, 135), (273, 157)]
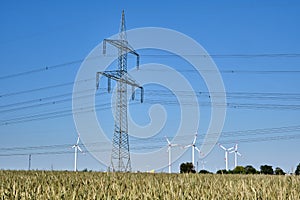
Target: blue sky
[(37, 34)]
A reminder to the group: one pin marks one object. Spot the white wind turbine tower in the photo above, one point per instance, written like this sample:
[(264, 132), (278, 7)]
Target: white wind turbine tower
[(76, 148), (236, 153), (170, 145), (193, 149), (226, 155)]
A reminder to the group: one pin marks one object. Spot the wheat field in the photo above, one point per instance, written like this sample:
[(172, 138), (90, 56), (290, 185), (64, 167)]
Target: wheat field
[(97, 185)]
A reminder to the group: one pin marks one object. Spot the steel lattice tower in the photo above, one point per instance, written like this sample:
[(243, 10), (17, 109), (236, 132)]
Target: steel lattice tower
[(120, 156)]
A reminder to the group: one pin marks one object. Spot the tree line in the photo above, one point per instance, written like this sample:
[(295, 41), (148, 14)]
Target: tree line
[(264, 169)]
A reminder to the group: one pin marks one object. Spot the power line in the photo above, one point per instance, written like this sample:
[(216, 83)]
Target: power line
[(36, 89), (262, 55), (51, 100), (230, 71), (92, 79), (249, 133), (43, 88), (68, 112), (266, 55), (150, 100), (159, 142), (40, 102), (229, 95), (234, 133), (42, 69)]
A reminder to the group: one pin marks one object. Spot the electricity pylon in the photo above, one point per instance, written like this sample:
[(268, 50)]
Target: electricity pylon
[(120, 156)]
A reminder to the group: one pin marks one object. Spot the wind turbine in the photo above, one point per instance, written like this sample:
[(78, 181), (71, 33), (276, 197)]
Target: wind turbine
[(236, 153), (76, 148), (226, 155), (203, 162), (170, 145), (193, 149)]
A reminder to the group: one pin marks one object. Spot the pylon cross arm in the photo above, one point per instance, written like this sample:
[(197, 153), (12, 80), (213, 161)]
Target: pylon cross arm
[(120, 44), (125, 78)]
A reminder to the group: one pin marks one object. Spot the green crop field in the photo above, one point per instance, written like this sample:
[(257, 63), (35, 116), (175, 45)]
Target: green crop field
[(97, 185)]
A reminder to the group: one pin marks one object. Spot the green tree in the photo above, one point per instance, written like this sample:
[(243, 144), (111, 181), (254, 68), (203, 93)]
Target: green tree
[(279, 171), (250, 170), (297, 171), (203, 171), (266, 169), (239, 170), (222, 171), (187, 168)]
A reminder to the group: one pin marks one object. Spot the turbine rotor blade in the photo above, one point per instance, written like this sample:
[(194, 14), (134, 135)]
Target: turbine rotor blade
[(195, 138), (222, 147), (230, 148), (78, 147), (77, 140), (168, 140), (187, 146)]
